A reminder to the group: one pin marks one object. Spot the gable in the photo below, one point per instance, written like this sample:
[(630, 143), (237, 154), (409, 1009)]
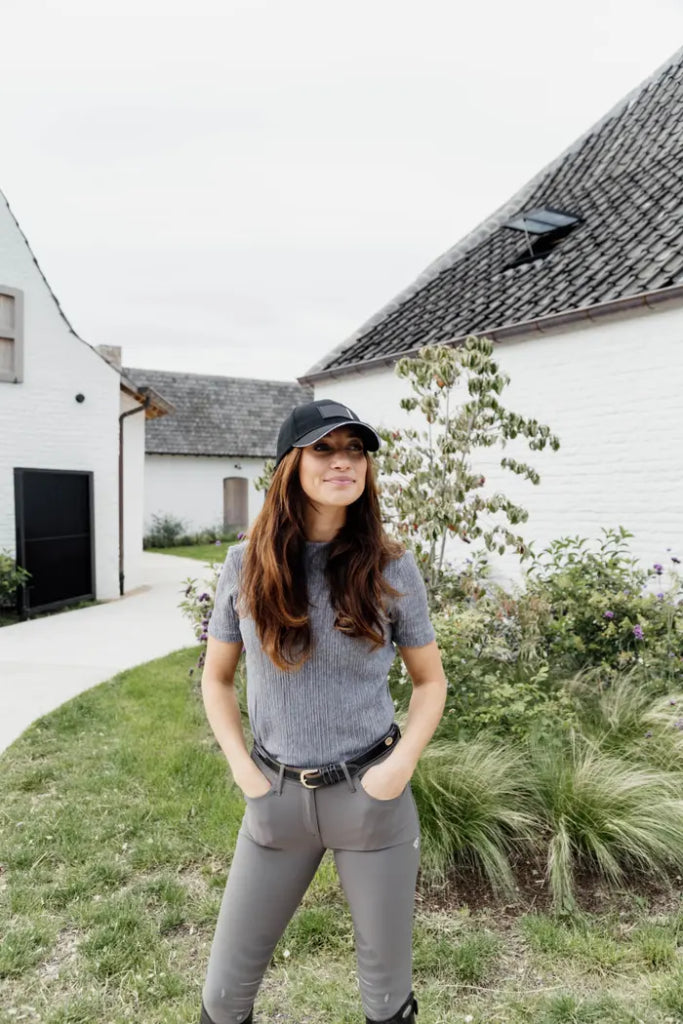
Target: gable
[(29, 302)]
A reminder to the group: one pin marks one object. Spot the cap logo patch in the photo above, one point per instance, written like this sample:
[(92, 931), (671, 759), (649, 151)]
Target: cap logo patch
[(333, 412)]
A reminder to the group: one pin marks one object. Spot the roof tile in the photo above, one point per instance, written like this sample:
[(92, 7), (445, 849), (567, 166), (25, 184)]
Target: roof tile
[(234, 416)]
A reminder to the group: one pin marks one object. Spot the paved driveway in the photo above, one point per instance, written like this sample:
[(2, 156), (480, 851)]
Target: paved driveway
[(45, 662)]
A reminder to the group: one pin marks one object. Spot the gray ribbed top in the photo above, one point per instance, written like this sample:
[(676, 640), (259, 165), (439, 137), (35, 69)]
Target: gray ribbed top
[(338, 703)]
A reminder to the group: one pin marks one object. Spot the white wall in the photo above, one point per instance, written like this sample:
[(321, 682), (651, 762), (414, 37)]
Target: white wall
[(133, 491), (42, 426), (191, 487), (612, 392)]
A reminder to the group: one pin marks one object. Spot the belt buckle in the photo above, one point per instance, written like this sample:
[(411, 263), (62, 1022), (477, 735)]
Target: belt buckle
[(309, 771)]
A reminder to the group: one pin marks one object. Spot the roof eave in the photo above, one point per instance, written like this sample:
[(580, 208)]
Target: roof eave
[(155, 404), (539, 325), (210, 455)]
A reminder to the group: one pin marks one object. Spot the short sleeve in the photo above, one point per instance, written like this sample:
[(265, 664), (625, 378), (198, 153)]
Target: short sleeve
[(224, 623), (409, 614)]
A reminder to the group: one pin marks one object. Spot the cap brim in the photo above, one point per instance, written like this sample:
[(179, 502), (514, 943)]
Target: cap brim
[(370, 437)]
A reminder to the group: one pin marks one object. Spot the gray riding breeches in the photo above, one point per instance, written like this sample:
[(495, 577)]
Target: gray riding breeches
[(283, 837)]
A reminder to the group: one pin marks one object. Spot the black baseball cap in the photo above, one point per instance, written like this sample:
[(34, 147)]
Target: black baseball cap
[(306, 424)]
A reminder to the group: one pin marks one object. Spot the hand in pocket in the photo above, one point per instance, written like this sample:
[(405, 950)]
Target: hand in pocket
[(385, 781), (254, 785)]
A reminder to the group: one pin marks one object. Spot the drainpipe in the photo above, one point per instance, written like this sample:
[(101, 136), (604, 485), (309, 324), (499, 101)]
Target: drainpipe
[(131, 412)]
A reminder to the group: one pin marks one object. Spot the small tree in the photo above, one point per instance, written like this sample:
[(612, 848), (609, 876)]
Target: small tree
[(431, 489), (262, 483)]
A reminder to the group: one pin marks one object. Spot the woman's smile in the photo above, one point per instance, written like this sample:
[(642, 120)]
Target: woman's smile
[(340, 455)]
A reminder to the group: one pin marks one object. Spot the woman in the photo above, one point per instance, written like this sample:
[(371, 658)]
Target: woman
[(319, 596)]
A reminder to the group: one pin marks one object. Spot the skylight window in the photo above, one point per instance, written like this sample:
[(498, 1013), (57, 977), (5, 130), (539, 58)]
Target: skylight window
[(543, 228), (543, 220)]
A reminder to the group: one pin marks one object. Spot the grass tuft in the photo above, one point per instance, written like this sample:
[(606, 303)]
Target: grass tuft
[(588, 945), (23, 946), (120, 935), (605, 813), (317, 929), (568, 1009), (669, 994), (472, 798), (657, 945)]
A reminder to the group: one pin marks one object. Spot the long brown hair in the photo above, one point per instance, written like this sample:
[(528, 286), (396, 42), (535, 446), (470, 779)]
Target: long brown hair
[(273, 582)]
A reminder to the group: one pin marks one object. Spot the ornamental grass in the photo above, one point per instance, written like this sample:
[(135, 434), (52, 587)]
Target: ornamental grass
[(605, 813), (473, 798)]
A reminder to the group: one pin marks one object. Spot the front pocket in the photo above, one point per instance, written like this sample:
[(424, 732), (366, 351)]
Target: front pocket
[(377, 799), (276, 818), (255, 799), (260, 818)]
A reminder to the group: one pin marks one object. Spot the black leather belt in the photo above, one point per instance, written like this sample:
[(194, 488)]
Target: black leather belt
[(329, 774)]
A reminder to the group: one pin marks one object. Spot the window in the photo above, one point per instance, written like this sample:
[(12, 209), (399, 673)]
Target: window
[(542, 221), (11, 334), (543, 229)]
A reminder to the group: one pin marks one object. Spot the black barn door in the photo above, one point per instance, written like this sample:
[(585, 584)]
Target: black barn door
[(54, 536)]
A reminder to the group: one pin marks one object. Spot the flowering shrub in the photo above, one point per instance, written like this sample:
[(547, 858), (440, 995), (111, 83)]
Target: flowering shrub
[(602, 612), (495, 662), (12, 577), (511, 658), (197, 605)]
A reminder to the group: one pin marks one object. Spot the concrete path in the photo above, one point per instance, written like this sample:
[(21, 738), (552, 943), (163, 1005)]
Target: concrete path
[(45, 662)]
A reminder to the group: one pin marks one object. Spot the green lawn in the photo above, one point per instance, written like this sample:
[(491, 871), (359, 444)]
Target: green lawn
[(202, 552), (116, 827)]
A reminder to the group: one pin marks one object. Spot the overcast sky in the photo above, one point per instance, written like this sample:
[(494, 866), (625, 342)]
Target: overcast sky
[(234, 187)]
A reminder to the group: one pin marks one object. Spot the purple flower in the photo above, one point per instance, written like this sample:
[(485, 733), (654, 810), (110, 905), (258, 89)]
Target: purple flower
[(218, 543), (672, 703), (203, 597), (204, 636), (638, 632), (676, 561), (679, 725), (659, 569), (660, 596), (648, 734), (241, 536), (608, 615)]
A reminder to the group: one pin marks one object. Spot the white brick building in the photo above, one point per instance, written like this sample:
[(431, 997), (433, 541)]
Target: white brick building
[(60, 408), (202, 460), (578, 279)]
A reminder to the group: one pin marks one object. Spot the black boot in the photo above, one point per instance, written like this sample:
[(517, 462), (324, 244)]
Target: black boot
[(406, 1014), (205, 1019)]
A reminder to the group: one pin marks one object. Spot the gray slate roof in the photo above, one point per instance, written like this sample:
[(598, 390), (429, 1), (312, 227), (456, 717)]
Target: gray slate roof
[(623, 178), (217, 415)]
